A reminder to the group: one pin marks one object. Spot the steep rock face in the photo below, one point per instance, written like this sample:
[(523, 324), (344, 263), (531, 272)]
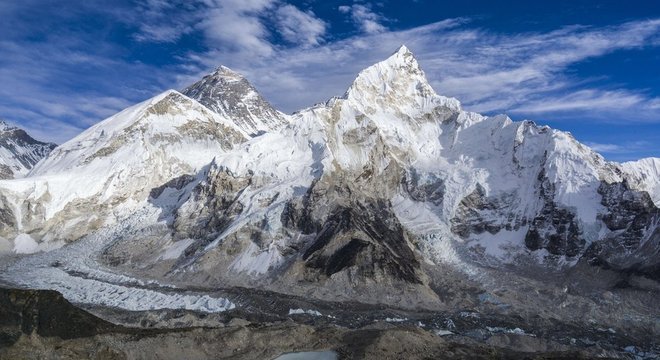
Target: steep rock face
[(214, 205), (633, 244), (554, 228), (233, 97), (45, 313), (352, 232), (19, 152), (364, 238), (644, 175)]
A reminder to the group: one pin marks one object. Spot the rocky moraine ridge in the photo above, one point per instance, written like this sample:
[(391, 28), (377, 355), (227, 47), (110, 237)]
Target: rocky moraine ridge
[(390, 202)]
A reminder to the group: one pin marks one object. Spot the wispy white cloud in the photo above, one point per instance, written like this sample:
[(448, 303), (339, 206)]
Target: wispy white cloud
[(57, 83), (40, 93), (365, 18), (489, 72), (163, 20), (246, 29), (624, 148), (595, 101), (236, 26), (299, 27), (654, 104), (506, 72), (289, 54), (605, 148)]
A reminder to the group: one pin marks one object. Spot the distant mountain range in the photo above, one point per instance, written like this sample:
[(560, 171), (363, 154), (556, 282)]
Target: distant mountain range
[(365, 197), (19, 152)]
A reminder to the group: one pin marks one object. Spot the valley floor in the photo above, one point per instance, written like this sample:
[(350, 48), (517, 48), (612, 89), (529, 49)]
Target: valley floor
[(43, 325), (88, 310)]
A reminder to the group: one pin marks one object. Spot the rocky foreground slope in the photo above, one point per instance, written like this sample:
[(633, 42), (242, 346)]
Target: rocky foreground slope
[(42, 324), (390, 195)]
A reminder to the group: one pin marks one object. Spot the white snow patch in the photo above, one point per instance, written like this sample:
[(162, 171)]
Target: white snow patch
[(25, 244), (499, 245), (175, 250), (256, 261), (442, 332), (396, 320), (303, 312), (516, 331)]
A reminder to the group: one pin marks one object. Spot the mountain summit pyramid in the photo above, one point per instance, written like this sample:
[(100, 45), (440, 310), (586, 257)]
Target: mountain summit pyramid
[(233, 97), (396, 80), (19, 152)]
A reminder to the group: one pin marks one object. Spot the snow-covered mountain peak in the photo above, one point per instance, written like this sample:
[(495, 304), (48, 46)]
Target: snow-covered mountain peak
[(403, 49), (224, 73), (4, 126), (400, 66), (169, 119), (120, 161), (19, 152), (403, 55), (397, 82), (229, 94)]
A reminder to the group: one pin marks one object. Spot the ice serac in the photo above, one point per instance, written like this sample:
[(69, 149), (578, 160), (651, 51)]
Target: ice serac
[(110, 169), (19, 152), (233, 97)]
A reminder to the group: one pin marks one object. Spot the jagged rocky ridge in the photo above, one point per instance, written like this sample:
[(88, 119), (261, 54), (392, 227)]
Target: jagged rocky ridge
[(19, 152), (229, 94), (360, 198)]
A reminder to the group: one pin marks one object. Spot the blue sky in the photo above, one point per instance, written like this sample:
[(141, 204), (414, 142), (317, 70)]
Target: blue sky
[(588, 67)]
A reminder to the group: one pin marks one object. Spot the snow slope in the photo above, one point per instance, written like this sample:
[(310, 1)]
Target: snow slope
[(112, 167)]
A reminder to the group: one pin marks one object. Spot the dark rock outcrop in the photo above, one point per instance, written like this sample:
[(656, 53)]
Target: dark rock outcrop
[(633, 246), (46, 313), (366, 238), (214, 207), (554, 228)]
